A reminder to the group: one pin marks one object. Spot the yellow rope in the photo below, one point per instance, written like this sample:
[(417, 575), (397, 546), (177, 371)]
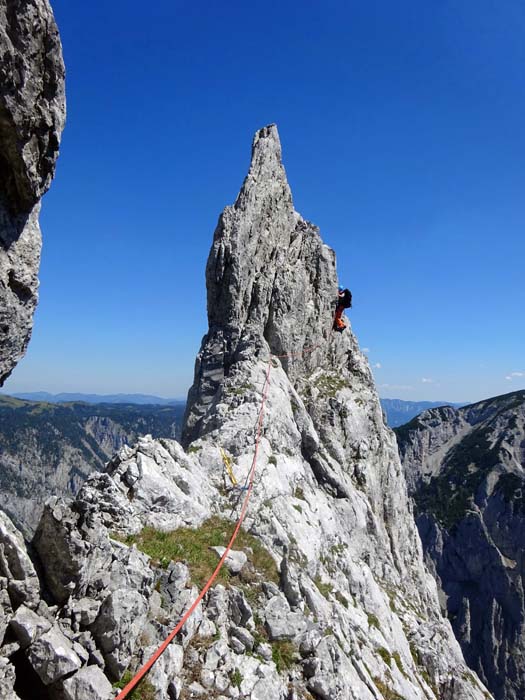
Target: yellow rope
[(228, 465)]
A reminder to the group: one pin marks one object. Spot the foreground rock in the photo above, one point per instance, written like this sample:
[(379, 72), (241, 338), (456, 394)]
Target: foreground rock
[(326, 596), (466, 471), (31, 120)]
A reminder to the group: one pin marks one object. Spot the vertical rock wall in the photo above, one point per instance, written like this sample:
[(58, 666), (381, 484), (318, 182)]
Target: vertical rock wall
[(32, 113), (466, 472)]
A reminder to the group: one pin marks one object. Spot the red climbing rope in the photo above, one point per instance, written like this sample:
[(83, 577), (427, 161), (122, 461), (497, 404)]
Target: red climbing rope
[(147, 666)]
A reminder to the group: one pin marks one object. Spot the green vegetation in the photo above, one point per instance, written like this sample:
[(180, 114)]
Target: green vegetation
[(338, 548), (299, 493), (272, 459), (399, 663), (143, 691), (283, 655), (512, 488), (329, 384), (342, 599), (241, 390), (386, 692), (324, 588), (298, 508), (373, 621), (385, 655), (236, 678), (193, 547), (193, 449)]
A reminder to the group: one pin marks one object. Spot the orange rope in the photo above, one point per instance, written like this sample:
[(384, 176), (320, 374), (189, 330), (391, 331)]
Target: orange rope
[(147, 666), (162, 648)]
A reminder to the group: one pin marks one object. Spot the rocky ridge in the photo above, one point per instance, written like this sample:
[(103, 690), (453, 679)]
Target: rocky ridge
[(327, 596), (50, 449), (32, 113), (466, 470)]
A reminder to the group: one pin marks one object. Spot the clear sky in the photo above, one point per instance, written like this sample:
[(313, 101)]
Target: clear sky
[(402, 126)]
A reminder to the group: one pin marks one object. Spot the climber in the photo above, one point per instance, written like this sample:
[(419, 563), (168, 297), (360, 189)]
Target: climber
[(344, 301)]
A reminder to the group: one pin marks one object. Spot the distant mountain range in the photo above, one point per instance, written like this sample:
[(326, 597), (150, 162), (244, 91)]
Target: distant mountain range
[(97, 398), (399, 412), (50, 448)]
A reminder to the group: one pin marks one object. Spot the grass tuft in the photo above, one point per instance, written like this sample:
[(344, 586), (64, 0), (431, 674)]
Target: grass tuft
[(373, 621), (283, 655), (324, 588), (143, 691), (193, 547)]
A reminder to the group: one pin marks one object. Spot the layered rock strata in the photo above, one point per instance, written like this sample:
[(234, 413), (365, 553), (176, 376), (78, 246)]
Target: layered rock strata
[(466, 471), (32, 112), (326, 594)]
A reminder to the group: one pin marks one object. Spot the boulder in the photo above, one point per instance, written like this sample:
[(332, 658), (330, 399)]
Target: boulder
[(119, 623), (88, 683), (28, 626), (234, 561), (52, 656), (16, 566)]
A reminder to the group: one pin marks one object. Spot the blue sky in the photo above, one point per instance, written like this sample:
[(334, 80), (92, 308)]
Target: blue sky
[(403, 139)]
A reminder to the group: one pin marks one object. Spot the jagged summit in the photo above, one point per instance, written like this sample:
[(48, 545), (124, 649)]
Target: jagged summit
[(266, 167), (271, 285)]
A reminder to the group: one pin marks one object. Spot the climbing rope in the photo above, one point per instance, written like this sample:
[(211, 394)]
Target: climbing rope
[(248, 490), (162, 648)]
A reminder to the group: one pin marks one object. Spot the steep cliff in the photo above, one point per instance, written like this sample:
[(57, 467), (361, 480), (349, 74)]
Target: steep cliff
[(326, 595), (32, 113), (466, 471)]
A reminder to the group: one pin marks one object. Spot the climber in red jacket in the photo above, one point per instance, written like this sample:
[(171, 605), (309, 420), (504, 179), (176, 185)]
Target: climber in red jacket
[(344, 301)]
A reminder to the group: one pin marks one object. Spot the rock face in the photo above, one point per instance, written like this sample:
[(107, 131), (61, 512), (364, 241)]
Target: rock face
[(466, 471), (31, 120), (325, 595)]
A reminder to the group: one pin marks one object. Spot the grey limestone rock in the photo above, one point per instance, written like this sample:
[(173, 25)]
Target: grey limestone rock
[(28, 626), (7, 680), (118, 625), (52, 656), (32, 116), (466, 472), (330, 484), (16, 566), (90, 682), (281, 622), (234, 561)]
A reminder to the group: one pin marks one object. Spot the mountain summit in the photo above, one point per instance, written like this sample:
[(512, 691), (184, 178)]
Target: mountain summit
[(271, 285), (326, 595)]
